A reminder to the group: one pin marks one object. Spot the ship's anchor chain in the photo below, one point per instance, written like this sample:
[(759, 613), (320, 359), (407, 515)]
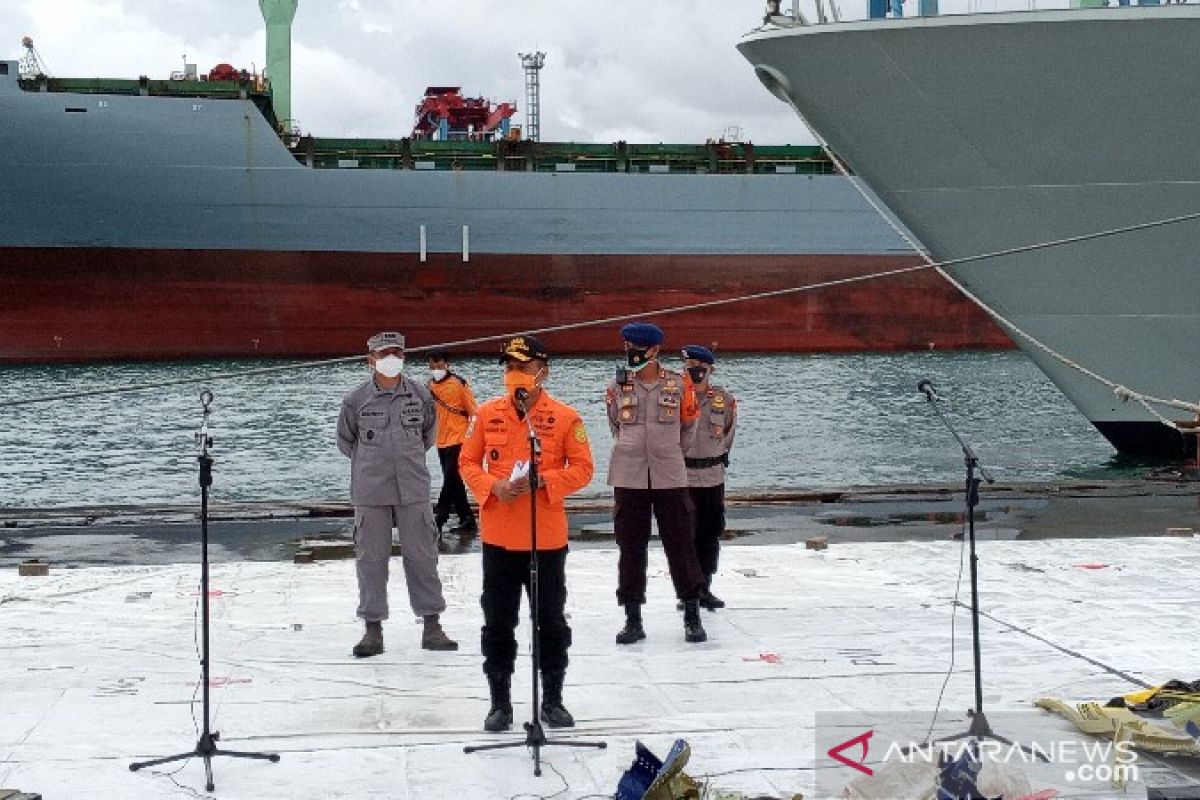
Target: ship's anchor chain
[(1146, 401)]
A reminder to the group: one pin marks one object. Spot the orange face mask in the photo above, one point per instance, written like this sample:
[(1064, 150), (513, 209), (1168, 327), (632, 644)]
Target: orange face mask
[(514, 380)]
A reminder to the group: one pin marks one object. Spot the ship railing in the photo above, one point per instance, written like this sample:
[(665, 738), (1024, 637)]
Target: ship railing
[(817, 12), (713, 157)]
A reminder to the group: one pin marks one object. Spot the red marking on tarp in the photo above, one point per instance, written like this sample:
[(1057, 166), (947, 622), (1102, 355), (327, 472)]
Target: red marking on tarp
[(770, 658), (1091, 566)]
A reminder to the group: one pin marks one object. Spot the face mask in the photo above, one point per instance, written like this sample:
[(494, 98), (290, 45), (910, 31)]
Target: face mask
[(389, 366), (437, 374), (514, 380), (636, 357), (697, 374)]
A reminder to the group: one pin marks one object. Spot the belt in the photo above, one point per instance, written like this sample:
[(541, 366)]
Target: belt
[(702, 463)]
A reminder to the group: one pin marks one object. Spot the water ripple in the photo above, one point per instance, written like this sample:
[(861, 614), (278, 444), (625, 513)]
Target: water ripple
[(805, 422)]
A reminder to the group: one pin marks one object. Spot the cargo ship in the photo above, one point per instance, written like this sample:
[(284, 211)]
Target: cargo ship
[(185, 218), (993, 131)]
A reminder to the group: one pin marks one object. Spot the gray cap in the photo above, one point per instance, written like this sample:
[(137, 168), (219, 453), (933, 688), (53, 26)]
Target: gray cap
[(384, 340)]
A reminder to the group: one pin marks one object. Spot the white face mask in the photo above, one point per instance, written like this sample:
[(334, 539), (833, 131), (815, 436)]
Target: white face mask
[(389, 366), (437, 374)]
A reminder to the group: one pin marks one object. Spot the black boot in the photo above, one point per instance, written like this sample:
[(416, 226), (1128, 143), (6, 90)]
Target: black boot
[(707, 598), (632, 632), (371, 643), (466, 527), (440, 517), (554, 713), (500, 716), (693, 631)]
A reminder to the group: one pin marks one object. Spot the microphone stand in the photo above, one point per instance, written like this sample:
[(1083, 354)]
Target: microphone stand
[(979, 728), (206, 747), (535, 735)]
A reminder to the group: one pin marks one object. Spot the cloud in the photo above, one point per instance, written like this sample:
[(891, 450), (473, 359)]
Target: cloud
[(622, 69)]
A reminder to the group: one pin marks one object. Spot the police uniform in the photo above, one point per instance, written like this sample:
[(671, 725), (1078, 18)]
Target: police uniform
[(706, 459), (385, 433), (496, 439), (653, 424)]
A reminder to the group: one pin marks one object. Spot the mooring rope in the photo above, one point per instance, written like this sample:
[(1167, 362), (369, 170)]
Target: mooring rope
[(1123, 392)]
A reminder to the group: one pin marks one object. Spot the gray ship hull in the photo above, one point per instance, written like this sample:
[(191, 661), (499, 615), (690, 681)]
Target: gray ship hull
[(994, 131)]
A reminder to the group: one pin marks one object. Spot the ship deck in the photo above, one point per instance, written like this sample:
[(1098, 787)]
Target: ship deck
[(100, 669)]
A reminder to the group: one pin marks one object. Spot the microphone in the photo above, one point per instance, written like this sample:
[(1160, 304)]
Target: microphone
[(521, 395), (925, 387)]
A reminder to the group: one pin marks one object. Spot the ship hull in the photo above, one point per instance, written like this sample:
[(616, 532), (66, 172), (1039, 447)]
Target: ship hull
[(106, 304), (995, 131), (143, 227)]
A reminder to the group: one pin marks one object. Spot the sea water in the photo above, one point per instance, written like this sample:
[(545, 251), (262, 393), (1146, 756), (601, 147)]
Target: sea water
[(804, 422)]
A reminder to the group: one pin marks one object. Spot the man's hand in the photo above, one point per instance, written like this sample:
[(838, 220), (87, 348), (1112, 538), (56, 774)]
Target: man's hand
[(510, 490)]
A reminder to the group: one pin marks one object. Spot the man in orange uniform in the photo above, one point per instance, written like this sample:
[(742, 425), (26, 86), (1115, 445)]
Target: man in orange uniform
[(497, 439), (455, 407)]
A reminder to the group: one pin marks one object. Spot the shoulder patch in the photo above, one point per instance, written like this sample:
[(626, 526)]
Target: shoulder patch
[(579, 432)]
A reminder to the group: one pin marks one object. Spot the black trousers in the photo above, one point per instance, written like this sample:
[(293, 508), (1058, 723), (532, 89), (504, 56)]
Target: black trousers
[(505, 574), (453, 496), (631, 522), (708, 503)]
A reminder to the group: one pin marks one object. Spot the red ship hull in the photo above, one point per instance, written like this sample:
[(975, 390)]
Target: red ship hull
[(79, 304)]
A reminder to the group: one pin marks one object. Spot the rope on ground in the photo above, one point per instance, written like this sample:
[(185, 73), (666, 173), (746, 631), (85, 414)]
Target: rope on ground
[(1123, 392)]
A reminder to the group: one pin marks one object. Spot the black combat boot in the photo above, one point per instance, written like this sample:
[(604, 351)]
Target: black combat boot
[(466, 527), (632, 632), (500, 716), (707, 598), (693, 631), (554, 713), (440, 517), (372, 641)]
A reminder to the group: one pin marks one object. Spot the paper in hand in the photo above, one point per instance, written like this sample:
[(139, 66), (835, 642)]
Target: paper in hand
[(520, 470)]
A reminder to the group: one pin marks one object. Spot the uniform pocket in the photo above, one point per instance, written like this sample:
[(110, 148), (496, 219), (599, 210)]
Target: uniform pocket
[(668, 407), (371, 428), (627, 409)]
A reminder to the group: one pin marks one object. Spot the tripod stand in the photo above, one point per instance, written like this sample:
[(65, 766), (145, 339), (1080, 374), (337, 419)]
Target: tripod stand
[(535, 735), (979, 728), (206, 747)]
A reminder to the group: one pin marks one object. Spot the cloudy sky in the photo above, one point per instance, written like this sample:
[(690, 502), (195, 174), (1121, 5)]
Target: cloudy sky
[(636, 70)]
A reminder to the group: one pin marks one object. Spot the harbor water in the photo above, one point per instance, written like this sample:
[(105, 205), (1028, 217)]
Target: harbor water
[(805, 422)]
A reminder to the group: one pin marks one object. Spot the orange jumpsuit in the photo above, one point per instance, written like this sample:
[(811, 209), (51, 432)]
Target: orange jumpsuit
[(496, 439), (455, 407)]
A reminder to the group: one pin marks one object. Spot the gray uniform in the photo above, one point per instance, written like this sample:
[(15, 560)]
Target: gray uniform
[(647, 474), (385, 434), (650, 437), (707, 456)]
